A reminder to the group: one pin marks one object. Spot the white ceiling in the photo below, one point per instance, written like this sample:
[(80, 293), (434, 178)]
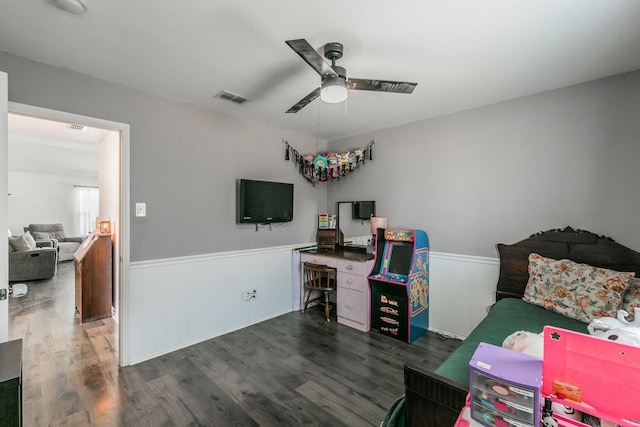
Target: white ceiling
[(47, 146), (60, 132), (462, 53)]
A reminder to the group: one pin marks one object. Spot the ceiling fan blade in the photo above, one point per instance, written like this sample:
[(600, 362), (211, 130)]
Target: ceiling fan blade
[(381, 85), (304, 101), (310, 56)]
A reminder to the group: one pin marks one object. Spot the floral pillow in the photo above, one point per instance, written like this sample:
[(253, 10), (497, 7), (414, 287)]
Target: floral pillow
[(631, 298), (578, 291)]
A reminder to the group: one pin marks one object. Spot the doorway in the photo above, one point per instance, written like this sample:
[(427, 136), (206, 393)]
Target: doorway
[(113, 177)]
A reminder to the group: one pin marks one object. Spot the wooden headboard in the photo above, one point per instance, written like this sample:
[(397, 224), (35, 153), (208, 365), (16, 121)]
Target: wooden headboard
[(577, 245)]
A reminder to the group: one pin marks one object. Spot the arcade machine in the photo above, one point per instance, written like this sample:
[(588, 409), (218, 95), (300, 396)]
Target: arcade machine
[(399, 284)]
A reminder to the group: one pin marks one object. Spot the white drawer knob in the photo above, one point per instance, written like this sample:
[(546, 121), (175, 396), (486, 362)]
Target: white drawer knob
[(349, 267), (350, 281)]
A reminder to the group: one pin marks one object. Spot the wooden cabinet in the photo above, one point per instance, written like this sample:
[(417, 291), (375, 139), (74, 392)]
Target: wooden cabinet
[(93, 263), (353, 298), (11, 383)]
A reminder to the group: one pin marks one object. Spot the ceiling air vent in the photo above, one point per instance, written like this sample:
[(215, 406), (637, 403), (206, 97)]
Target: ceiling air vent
[(75, 126), (230, 96)]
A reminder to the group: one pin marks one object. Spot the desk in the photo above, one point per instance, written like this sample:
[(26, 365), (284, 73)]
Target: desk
[(94, 289), (353, 305)]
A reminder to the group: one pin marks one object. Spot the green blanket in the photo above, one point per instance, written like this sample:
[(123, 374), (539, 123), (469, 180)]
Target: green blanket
[(505, 317), (395, 414)]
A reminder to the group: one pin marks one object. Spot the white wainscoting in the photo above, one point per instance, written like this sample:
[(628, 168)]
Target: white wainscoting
[(461, 288), (178, 302)]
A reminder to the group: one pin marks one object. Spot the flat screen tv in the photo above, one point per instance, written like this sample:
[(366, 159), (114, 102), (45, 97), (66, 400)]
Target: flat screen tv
[(264, 202)]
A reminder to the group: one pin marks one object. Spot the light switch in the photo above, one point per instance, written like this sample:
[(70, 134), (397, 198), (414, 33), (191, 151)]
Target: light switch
[(141, 209)]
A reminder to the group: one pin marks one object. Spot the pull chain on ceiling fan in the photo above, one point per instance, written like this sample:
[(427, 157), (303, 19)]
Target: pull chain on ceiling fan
[(334, 84)]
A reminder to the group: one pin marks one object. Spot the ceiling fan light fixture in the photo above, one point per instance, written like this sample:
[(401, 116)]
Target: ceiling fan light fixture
[(333, 83), (74, 7), (334, 89)]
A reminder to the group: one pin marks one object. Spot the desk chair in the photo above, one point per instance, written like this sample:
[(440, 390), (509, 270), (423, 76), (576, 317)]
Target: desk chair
[(319, 278)]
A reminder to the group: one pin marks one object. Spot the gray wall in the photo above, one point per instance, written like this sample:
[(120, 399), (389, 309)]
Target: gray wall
[(502, 172), (184, 162), (471, 179)]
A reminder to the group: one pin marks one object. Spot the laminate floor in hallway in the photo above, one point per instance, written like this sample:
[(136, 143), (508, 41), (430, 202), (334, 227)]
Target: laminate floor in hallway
[(292, 370)]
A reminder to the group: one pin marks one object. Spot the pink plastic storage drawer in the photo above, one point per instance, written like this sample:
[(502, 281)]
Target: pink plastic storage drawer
[(591, 374)]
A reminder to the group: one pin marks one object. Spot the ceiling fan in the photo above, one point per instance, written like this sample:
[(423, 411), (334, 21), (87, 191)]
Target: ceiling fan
[(334, 84)]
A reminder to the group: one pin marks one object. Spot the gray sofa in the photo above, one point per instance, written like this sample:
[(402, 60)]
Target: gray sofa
[(33, 264), (55, 233)]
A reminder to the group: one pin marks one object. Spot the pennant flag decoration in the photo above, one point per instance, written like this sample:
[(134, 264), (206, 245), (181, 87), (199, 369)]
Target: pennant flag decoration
[(328, 165)]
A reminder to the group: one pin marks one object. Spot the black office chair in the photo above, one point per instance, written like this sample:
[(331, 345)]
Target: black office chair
[(319, 278)]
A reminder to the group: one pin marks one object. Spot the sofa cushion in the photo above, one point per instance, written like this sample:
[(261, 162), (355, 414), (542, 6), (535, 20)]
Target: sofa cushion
[(47, 231), (43, 235), (11, 248), (21, 243), (66, 250), (30, 240)]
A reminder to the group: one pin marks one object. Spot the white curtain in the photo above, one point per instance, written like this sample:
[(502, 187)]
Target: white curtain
[(87, 203)]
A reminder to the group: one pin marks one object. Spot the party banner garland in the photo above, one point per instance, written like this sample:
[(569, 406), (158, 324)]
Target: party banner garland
[(328, 165)]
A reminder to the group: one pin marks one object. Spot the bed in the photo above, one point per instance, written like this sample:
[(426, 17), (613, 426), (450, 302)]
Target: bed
[(434, 399)]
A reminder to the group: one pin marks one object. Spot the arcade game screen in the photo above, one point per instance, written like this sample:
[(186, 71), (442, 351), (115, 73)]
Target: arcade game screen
[(400, 259)]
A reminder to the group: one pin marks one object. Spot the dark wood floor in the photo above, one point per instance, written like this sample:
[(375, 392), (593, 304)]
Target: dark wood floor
[(293, 370)]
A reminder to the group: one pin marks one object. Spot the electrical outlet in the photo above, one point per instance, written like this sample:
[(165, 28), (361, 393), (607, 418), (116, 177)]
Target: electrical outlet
[(3, 294), (248, 295)]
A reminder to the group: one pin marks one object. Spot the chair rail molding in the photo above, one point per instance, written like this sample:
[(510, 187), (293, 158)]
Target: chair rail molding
[(177, 302)]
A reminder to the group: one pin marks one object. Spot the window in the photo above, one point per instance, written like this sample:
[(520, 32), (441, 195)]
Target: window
[(87, 203)]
